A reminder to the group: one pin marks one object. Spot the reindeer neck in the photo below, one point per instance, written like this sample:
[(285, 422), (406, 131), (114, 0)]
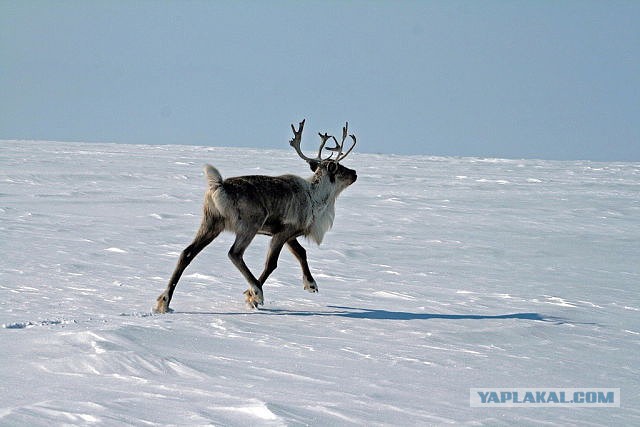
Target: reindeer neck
[(323, 200), (322, 191)]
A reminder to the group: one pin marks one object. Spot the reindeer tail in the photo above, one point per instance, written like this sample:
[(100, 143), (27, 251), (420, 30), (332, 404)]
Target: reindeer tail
[(214, 179)]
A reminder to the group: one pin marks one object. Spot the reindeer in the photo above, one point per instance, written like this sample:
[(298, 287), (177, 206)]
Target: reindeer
[(284, 207)]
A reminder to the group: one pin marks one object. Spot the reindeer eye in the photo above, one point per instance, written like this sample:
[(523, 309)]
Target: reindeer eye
[(332, 167)]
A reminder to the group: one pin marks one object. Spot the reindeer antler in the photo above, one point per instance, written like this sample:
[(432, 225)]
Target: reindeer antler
[(297, 139), (324, 139), (340, 147)]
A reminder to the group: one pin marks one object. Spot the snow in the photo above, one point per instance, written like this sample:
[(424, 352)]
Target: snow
[(439, 275)]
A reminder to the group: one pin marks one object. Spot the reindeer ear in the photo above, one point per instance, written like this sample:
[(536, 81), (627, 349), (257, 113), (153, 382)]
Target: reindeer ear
[(332, 167), (313, 165)]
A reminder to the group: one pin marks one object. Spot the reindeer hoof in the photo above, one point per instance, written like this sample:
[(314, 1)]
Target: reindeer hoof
[(310, 286), (162, 305), (253, 298)]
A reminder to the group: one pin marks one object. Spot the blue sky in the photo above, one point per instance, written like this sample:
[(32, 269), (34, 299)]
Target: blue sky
[(517, 79)]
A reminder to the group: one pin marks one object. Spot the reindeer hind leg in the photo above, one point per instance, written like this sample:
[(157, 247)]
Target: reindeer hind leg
[(210, 228)]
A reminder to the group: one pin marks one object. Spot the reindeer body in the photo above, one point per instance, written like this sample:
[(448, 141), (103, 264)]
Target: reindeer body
[(284, 207), (287, 201)]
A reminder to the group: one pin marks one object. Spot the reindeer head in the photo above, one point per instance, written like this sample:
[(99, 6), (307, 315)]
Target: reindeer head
[(339, 175)]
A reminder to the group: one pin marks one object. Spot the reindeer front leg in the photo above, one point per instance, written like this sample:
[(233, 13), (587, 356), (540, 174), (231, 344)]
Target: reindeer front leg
[(253, 295), (275, 247), (301, 255)]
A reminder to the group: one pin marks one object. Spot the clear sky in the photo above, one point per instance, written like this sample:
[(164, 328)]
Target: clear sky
[(533, 79)]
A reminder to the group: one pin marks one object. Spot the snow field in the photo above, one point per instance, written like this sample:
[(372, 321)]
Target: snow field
[(440, 274)]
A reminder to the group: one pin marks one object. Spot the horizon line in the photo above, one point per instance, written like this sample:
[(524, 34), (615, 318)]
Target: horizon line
[(241, 147)]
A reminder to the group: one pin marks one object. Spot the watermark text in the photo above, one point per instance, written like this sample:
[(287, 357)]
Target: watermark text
[(544, 397)]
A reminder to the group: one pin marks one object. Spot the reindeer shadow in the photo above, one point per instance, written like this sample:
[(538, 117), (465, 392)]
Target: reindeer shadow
[(376, 314)]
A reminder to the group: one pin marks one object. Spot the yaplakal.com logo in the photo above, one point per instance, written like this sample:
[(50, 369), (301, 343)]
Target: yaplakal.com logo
[(544, 397)]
